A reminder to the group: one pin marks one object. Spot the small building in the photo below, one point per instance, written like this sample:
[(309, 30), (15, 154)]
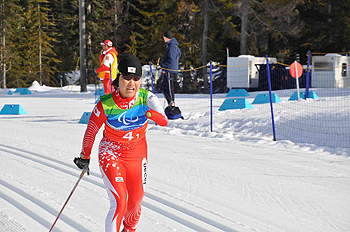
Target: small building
[(242, 72), (330, 71)]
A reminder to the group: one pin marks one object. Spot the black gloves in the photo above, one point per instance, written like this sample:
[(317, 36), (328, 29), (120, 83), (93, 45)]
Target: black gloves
[(82, 163)]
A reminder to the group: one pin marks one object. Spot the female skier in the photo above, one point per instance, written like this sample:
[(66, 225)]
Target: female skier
[(123, 148)]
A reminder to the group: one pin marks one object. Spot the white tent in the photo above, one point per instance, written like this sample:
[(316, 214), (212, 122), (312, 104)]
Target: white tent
[(242, 72), (330, 71)]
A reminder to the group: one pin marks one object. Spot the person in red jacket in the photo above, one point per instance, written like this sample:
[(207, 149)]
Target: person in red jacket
[(109, 63), (123, 148)]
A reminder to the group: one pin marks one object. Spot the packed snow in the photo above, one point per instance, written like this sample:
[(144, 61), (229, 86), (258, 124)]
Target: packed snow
[(235, 178)]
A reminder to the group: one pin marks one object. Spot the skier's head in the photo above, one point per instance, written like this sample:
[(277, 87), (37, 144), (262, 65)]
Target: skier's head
[(129, 77)]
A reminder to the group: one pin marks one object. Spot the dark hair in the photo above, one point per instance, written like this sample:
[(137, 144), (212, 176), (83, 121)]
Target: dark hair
[(115, 83)]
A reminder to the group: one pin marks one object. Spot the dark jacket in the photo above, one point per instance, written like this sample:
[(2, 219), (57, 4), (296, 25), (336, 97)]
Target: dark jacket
[(171, 56)]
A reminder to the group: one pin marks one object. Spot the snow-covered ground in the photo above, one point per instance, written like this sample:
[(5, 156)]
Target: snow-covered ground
[(235, 178)]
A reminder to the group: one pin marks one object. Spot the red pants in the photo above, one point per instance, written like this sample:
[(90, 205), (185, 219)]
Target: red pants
[(124, 171), (107, 86)]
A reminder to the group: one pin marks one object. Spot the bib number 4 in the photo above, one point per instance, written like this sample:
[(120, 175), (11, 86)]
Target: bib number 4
[(130, 137)]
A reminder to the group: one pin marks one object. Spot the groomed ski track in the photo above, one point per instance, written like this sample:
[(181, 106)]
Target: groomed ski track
[(153, 200)]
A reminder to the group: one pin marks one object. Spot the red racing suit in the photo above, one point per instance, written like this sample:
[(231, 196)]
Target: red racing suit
[(123, 152)]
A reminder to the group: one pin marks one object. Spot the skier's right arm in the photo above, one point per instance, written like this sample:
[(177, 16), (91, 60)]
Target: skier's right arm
[(97, 119)]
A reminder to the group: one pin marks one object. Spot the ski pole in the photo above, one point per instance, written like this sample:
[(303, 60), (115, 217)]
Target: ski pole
[(156, 78), (110, 77), (71, 193)]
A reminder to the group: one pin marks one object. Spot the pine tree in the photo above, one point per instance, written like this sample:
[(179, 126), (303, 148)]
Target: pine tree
[(327, 25), (10, 13), (65, 16), (33, 48)]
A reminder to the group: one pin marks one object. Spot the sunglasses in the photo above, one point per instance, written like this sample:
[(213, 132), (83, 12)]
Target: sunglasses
[(131, 76)]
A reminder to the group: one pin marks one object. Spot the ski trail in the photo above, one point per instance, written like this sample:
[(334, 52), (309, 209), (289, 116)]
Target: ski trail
[(177, 213), (39, 203), (25, 210), (191, 213), (7, 224)]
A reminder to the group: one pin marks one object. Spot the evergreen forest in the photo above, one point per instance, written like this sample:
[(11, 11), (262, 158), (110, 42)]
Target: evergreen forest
[(39, 39)]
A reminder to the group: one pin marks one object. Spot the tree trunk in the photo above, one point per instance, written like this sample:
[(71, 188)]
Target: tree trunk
[(244, 27), (3, 56), (116, 7), (204, 44), (82, 39), (188, 82), (40, 63), (330, 19), (90, 55)]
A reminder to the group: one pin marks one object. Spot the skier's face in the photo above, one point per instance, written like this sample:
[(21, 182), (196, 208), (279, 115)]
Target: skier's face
[(128, 87)]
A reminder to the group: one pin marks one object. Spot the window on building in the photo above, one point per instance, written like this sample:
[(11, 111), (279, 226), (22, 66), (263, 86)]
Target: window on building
[(323, 66)]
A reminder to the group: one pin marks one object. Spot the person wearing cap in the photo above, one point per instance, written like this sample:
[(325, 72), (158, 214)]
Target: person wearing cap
[(170, 65), (123, 148), (109, 63)]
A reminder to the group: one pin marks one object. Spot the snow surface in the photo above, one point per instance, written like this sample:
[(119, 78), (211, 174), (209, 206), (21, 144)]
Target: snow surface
[(236, 180)]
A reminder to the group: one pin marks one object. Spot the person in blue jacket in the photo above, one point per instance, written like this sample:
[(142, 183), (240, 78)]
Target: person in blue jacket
[(170, 67)]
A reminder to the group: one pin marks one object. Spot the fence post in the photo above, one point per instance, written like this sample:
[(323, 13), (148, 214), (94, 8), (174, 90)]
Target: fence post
[(307, 75), (211, 95), (150, 68), (270, 93)]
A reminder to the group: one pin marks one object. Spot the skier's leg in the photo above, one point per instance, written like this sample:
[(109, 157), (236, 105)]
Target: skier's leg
[(136, 169), (113, 173)]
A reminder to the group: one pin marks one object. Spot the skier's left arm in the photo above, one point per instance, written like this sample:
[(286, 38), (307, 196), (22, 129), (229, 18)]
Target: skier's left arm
[(156, 112)]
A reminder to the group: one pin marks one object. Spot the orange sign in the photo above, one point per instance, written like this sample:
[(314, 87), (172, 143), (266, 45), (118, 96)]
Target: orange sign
[(299, 69)]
